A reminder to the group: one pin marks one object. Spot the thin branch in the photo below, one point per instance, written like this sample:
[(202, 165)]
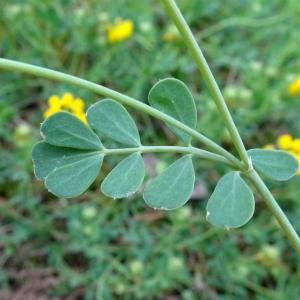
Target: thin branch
[(12, 65)]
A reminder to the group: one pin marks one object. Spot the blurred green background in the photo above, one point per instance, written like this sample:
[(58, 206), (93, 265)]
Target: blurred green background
[(93, 247)]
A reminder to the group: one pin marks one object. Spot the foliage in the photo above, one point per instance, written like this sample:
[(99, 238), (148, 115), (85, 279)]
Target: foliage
[(277, 165), (232, 202), (172, 188), (172, 97), (97, 247)]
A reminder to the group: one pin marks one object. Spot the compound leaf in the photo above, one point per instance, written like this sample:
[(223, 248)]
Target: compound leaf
[(172, 97), (126, 178), (111, 119), (275, 164), (232, 202), (173, 187), (65, 130), (74, 178)]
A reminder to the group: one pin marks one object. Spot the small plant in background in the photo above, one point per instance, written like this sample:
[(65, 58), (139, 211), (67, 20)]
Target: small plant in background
[(71, 154)]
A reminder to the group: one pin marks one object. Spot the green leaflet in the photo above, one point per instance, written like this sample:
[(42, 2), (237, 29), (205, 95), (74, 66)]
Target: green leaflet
[(65, 130), (232, 202), (126, 178), (46, 158), (275, 164), (173, 187), (111, 119), (172, 97), (67, 172), (73, 179)]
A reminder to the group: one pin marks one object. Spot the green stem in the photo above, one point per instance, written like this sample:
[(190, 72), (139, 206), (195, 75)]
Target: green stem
[(207, 75), (273, 206), (175, 149), (101, 90)]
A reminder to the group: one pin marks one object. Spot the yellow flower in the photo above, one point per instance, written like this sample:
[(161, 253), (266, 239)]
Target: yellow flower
[(296, 145), (54, 101), (294, 87), (50, 111), (67, 100), (67, 103), (77, 105), (82, 117), (119, 30), (285, 141)]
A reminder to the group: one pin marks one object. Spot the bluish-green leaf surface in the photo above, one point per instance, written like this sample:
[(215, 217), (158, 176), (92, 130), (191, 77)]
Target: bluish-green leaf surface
[(73, 179), (46, 158), (67, 172), (232, 202), (126, 178), (173, 187), (109, 118), (65, 130), (172, 97), (275, 164)]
